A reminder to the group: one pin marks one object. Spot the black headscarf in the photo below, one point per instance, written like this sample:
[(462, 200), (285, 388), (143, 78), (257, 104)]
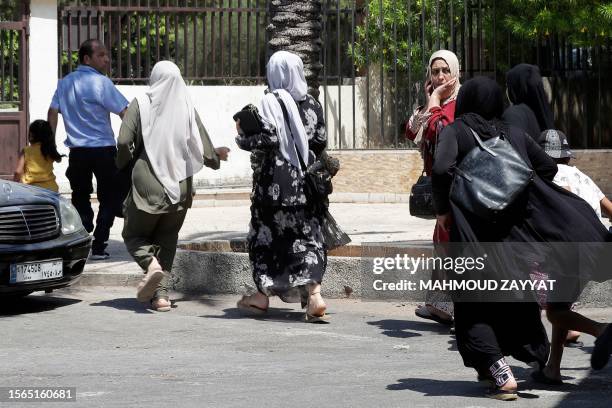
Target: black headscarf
[(480, 104), (525, 86)]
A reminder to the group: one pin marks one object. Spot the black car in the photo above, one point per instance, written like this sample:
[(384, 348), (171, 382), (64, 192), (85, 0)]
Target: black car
[(43, 245)]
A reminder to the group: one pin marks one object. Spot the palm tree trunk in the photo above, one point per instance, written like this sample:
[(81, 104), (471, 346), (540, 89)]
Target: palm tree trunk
[(295, 26)]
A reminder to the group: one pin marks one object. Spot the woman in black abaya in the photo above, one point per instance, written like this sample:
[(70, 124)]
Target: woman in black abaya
[(530, 110), (544, 212)]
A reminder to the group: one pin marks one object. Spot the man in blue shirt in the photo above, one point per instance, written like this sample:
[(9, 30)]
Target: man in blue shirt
[(85, 98)]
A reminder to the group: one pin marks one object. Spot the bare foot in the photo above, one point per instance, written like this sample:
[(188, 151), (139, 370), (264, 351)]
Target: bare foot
[(572, 336), (161, 305), (316, 305), (510, 385), (258, 300)]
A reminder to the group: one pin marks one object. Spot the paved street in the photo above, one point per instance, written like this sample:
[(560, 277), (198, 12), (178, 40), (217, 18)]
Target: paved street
[(204, 354)]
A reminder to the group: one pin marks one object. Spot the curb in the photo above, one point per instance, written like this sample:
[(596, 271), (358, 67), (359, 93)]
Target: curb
[(223, 267)]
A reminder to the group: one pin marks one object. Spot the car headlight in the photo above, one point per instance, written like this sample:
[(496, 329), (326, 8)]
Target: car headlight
[(70, 218)]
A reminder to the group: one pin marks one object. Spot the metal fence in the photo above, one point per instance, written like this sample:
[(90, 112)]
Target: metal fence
[(9, 67), (374, 55), (11, 50)]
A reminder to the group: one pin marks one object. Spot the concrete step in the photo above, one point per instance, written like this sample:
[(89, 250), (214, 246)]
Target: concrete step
[(223, 267)]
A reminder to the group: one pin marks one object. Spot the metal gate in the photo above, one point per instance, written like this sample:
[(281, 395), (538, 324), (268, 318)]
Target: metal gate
[(13, 83)]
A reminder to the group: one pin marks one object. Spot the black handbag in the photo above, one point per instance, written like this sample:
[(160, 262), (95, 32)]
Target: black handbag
[(421, 198), (333, 236), (490, 178)]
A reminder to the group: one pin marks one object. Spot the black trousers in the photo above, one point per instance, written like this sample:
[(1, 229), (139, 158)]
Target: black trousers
[(83, 164)]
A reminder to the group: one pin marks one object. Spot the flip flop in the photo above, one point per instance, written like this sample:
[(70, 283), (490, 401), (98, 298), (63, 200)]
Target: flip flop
[(502, 395), (539, 377), (246, 307), (308, 318), (574, 344), (423, 313), (602, 350)]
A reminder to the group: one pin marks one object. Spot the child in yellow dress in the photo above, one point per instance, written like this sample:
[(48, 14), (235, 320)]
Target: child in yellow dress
[(35, 164)]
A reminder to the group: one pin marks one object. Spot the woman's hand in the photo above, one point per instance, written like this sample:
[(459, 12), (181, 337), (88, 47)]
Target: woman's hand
[(446, 90), (222, 152), (445, 221)]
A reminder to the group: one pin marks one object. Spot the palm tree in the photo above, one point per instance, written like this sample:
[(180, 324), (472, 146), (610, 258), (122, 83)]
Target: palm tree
[(295, 26)]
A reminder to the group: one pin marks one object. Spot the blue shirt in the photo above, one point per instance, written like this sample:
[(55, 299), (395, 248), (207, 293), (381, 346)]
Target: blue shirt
[(85, 99)]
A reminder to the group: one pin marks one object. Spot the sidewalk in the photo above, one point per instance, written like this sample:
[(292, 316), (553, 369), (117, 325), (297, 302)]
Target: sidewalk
[(363, 222), (216, 261)]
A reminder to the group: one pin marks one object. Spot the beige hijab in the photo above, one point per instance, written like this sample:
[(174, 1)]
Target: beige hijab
[(169, 130), (453, 63)]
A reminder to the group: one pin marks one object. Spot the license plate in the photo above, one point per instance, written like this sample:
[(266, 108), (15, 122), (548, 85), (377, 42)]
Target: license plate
[(36, 271)]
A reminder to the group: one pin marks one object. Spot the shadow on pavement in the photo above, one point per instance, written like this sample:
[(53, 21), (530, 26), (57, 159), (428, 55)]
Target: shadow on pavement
[(438, 388), (400, 328), (125, 304), (272, 315), (593, 391), (11, 306), (202, 299)]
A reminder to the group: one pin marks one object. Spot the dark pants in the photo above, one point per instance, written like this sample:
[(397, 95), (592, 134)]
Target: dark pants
[(83, 163), (152, 235)]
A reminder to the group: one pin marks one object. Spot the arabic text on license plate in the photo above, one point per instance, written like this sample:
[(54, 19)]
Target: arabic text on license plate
[(36, 271)]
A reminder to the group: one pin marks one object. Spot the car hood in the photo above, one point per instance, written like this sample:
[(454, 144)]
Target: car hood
[(12, 193)]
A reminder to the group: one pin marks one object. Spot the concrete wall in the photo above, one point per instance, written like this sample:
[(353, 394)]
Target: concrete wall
[(43, 51)]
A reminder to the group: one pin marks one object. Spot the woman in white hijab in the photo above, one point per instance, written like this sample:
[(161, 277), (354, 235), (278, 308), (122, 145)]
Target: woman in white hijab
[(286, 246), (424, 126), (162, 143)]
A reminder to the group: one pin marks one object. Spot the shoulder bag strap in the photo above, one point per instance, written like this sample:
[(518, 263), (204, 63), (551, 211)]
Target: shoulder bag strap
[(481, 144), (286, 116)]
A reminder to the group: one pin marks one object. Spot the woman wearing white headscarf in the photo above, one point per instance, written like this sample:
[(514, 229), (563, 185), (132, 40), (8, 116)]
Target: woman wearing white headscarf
[(163, 142), (286, 246), (424, 127)]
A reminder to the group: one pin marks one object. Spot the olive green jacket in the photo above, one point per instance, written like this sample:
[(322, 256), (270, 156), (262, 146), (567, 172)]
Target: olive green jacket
[(147, 193)]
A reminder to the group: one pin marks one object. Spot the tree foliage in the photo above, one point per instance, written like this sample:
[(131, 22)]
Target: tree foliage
[(584, 22), (394, 29)]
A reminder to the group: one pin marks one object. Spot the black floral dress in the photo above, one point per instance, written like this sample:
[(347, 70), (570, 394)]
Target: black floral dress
[(285, 242)]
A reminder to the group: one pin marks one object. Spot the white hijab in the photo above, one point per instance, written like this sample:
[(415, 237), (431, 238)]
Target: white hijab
[(285, 72), (169, 130), (453, 64)]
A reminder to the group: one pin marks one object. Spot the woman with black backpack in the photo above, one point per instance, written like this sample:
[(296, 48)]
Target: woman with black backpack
[(534, 220)]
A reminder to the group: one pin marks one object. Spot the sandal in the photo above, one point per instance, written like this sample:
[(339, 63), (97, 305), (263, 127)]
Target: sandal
[(424, 313), (161, 304), (248, 308), (315, 318), (502, 395), (539, 377)]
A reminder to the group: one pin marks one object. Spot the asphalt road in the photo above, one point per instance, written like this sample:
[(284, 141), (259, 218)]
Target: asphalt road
[(204, 354)]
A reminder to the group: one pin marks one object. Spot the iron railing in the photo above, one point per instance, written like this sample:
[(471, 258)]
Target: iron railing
[(373, 65)]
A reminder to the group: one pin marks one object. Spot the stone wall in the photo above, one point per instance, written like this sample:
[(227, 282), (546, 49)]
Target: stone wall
[(394, 171)]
